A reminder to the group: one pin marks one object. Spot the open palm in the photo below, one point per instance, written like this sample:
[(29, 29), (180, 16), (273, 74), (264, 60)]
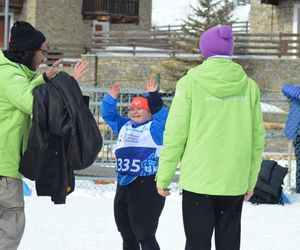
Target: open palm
[(151, 85), (114, 90)]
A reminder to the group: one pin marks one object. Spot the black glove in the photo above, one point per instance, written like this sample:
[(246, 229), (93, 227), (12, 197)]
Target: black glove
[(155, 102)]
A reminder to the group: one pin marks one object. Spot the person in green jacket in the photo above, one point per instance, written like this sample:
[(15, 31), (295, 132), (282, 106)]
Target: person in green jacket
[(215, 134), (27, 50)]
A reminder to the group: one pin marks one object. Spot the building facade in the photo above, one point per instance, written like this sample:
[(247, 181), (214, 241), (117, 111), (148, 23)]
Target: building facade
[(74, 21), (275, 16)]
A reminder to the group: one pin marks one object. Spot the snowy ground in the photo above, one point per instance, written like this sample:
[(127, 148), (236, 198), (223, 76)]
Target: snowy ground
[(86, 222)]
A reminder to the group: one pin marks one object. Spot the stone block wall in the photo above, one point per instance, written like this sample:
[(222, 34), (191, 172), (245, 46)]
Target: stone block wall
[(133, 71), (28, 12), (270, 74), (266, 18), (62, 22)]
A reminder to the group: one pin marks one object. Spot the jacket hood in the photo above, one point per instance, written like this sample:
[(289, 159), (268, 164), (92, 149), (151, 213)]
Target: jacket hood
[(221, 77), (4, 61)]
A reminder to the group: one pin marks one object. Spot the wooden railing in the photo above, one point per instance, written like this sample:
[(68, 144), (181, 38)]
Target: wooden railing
[(134, 42), (110, 7), (282, 44), (165, 42), (241, 27), (237, 27)]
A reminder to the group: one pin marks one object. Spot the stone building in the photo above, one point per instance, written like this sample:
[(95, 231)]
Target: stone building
[(73, 21), (274, 16)]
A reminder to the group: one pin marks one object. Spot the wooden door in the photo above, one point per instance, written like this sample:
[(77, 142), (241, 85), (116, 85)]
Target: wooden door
[(1, 31), (2, 22)]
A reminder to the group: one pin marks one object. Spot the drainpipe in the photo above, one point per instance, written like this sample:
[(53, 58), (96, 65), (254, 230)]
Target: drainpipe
[(6, 8)]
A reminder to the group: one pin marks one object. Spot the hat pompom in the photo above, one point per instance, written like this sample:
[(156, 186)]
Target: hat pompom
[(217, 41), (225, 31)]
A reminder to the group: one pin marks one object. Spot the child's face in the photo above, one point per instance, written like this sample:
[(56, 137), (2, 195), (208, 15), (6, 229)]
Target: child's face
[(139, 115)]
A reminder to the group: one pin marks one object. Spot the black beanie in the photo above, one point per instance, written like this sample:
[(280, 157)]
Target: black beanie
[(23, 36)]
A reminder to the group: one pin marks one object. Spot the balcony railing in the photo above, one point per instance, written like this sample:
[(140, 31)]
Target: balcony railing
[(93, 8), (15, 5)]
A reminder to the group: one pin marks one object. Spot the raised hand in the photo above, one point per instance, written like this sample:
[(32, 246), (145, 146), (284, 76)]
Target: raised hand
[(80, 69), (151, 85), (114, 90), (52, 71)]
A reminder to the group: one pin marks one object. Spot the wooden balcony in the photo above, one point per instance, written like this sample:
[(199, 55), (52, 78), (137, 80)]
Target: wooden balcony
[(14, 5), (117, 11)]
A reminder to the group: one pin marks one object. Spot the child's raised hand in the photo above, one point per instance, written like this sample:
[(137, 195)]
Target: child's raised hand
[(114, 90), (151, 85)]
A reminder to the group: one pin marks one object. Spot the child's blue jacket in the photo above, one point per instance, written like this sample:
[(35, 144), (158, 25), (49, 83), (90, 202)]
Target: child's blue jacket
[(116, 121)]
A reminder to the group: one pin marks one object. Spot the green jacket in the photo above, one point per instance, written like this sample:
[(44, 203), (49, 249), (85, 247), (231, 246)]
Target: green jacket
[(214, 130), (15, 109)]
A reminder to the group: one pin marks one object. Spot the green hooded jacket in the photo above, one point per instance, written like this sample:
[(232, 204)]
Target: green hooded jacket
[(214, 130), (15, 110)]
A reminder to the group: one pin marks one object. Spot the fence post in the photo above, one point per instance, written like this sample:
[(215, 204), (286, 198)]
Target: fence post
[(90, 79), (289, 164), (157, 78), (133, 48), (298, 44), (281, 46)]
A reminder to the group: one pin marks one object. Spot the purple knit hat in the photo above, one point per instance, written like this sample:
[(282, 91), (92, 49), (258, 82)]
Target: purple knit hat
[(217, 40)]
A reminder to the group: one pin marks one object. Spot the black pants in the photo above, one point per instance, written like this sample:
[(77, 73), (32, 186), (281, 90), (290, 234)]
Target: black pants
[(203, 214), (137, 208)]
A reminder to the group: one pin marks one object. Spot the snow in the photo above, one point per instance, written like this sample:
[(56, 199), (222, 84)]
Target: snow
[(177, 11), (268, 108), (86, 222)]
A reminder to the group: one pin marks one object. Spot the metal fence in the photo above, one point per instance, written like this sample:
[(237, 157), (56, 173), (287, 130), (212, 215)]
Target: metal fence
[(102, 171)]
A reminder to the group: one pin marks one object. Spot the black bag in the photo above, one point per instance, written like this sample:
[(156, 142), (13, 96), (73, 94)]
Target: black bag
[(268, 188)]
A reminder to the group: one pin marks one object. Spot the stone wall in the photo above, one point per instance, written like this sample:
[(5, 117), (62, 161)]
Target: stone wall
[(28, 12), (62, 22), (132, 71), (266, 18), (270, 74)]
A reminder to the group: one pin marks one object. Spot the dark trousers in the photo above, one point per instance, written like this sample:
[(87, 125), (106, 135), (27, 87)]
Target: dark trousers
[(203, 214), (137, 208), (296, 143)]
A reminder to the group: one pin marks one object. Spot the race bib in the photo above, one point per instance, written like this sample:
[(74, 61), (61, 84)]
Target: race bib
[(138, 161)]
